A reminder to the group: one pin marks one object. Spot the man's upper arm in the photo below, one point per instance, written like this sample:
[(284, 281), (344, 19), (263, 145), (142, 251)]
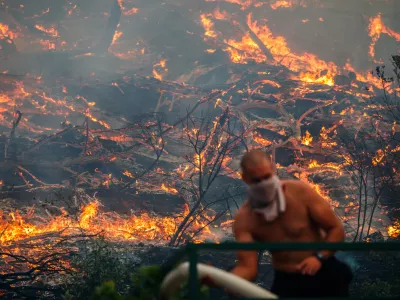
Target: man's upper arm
[(243, 235), (320, 210)]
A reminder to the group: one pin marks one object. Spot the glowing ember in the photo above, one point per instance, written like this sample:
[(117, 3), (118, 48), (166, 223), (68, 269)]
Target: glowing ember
[(208, 26), (50, 30), (131, 11), (394, 230), (6, 33), (307, 139), (380, 154), (160, 69), (326, 141), (128, 174), (168, 189), (280, 4), (261, 141), (117, 36)]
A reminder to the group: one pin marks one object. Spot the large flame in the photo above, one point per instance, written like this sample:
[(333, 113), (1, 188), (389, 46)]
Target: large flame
[(376, 28), (317, 70), (92, 220)]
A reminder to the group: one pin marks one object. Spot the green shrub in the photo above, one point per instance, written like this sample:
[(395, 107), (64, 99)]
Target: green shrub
[(100, 263), (145, 286)]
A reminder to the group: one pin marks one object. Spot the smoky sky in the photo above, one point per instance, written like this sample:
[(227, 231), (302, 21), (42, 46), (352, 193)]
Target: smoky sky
[(334, 30)]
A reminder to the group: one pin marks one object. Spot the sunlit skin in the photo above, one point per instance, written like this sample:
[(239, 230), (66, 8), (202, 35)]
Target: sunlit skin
[(308, 218)]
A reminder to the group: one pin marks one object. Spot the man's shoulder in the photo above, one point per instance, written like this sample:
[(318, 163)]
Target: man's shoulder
[(297, 190), (296, 185)]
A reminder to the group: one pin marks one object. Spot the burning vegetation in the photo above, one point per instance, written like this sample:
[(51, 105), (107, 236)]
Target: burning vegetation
[(135, 134)]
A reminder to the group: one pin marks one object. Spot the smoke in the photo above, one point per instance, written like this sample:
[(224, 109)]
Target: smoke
[(150, 31)]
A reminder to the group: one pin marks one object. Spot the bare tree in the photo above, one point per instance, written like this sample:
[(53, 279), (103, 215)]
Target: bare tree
[(211, 142), (371, 153)]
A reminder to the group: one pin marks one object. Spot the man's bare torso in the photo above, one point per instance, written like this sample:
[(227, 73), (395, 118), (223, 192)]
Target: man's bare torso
[(294, 225)]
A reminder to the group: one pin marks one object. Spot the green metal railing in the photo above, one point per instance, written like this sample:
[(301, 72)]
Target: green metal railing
[(192, 251)]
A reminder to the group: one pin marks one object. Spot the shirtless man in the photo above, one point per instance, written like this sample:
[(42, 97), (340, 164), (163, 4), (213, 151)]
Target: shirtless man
[(289, 211)]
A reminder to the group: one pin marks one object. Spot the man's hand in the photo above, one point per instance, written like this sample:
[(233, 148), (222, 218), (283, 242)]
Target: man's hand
[(309, 266)]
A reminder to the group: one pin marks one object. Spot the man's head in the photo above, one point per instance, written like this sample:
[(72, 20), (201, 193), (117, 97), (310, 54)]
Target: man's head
[(256, 167)]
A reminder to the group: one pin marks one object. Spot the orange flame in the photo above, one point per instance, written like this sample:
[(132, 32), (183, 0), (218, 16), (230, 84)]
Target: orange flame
[(208, 26), (5, 32), (307, 139), (318, 71), (376, 28), (281, 3), (50, 31), (394, 230), (160, 69), (169, 189), (92, 220)]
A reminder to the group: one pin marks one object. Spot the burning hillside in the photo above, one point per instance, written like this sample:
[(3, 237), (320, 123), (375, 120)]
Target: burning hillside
[(127, 119)]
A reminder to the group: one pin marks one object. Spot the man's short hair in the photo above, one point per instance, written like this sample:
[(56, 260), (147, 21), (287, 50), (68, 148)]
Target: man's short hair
[(254, 157)]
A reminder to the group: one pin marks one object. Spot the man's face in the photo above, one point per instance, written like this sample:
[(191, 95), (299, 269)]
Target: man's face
[(257, 173)]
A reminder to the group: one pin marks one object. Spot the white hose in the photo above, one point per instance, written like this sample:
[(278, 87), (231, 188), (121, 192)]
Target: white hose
[(234, 284)]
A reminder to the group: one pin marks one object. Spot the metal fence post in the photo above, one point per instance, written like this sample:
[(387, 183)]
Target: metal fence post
[(194, 286)]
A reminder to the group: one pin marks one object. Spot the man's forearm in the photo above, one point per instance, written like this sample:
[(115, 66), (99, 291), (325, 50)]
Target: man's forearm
[(335, 235), (245, 273)]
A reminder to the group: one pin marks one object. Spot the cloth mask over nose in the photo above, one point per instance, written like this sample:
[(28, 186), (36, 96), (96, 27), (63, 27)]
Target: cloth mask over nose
[(267, 198)]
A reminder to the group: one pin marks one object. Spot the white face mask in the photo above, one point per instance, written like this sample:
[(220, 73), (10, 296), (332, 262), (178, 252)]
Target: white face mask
[(267, 198)]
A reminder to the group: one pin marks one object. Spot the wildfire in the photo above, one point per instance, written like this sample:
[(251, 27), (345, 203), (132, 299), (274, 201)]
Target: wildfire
[(315, 164), (318, 71), (394, 230), (131, 11), (50, 31), (128, 174), (316, 78), (281, 4), (92, 220), (5, 32), (326, 141), (125, 11), (319, 189), (311, 69), (182, 171), (169, 189), (117, 36), (160, 69), (376, 28), (261, 141), (378, 157), (208, 26), (307, 139), (242, 49)]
